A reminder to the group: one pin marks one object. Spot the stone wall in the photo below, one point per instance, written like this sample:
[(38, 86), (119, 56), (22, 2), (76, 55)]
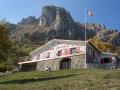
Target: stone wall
[(77, 61), (52, 64)]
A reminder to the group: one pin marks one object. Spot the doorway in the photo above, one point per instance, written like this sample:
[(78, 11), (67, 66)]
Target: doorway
[(65, 63), (28, 67)]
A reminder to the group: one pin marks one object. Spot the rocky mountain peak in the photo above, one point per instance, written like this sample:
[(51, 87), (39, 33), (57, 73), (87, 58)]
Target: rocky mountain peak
[(93, 26), (57, 23), (55, 17), (29, 20)]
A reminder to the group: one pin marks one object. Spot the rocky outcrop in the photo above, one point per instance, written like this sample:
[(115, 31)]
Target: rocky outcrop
[(29, 20), (56, 18), (115, 39), (60, 20), (56, 22)]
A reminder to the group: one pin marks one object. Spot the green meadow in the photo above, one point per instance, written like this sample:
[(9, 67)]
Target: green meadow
[(77, 79)]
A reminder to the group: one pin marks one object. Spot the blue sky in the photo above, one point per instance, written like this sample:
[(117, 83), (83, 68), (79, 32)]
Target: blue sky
[(104, 11)]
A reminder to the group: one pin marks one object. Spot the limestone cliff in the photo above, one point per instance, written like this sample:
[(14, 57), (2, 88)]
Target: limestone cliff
[(56, 22), (56, 18), (60, 20)]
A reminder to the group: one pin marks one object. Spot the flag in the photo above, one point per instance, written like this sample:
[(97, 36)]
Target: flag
[(89, 13)]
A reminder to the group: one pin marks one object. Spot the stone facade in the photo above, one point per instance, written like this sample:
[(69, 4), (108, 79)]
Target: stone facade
[(77, 61), (56, 55)]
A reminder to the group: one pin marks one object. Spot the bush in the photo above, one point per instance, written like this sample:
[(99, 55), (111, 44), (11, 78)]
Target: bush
[(3, 68)]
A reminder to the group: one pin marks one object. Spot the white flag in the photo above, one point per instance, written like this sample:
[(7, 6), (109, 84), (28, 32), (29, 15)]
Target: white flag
[(89, 12)]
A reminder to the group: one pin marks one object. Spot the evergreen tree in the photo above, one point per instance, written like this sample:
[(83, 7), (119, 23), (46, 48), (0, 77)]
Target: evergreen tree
[(4, 42), (5, 46)]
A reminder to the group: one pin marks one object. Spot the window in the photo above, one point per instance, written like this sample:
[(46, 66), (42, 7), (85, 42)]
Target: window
[(106, 60), (38, 56), (73, 50), (59, 53), (48, 55), (62, 52)]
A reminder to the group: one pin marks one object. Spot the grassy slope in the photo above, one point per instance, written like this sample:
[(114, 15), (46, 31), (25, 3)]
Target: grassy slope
[(62, 80)]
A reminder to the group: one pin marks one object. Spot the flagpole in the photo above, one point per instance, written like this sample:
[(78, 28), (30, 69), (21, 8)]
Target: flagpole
[(85, 37)]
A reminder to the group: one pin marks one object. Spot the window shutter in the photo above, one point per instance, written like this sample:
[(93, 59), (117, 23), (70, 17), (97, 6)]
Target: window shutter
[(101, 61), (63, 52), (67, 51), (78, 49), (110, 59)]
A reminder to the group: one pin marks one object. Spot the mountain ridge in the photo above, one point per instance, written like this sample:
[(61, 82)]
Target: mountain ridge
[(56, 22)]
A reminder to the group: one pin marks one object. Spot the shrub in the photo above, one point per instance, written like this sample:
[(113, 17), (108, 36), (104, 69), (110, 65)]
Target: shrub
[(3, 67)]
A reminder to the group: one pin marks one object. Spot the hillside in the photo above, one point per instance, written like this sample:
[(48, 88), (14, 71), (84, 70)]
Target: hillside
[(62, 80), (57, 22)]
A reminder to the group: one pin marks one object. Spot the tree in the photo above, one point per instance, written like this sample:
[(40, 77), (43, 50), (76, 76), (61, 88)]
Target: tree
[(4, 42), (5, 46), (10, 50)]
